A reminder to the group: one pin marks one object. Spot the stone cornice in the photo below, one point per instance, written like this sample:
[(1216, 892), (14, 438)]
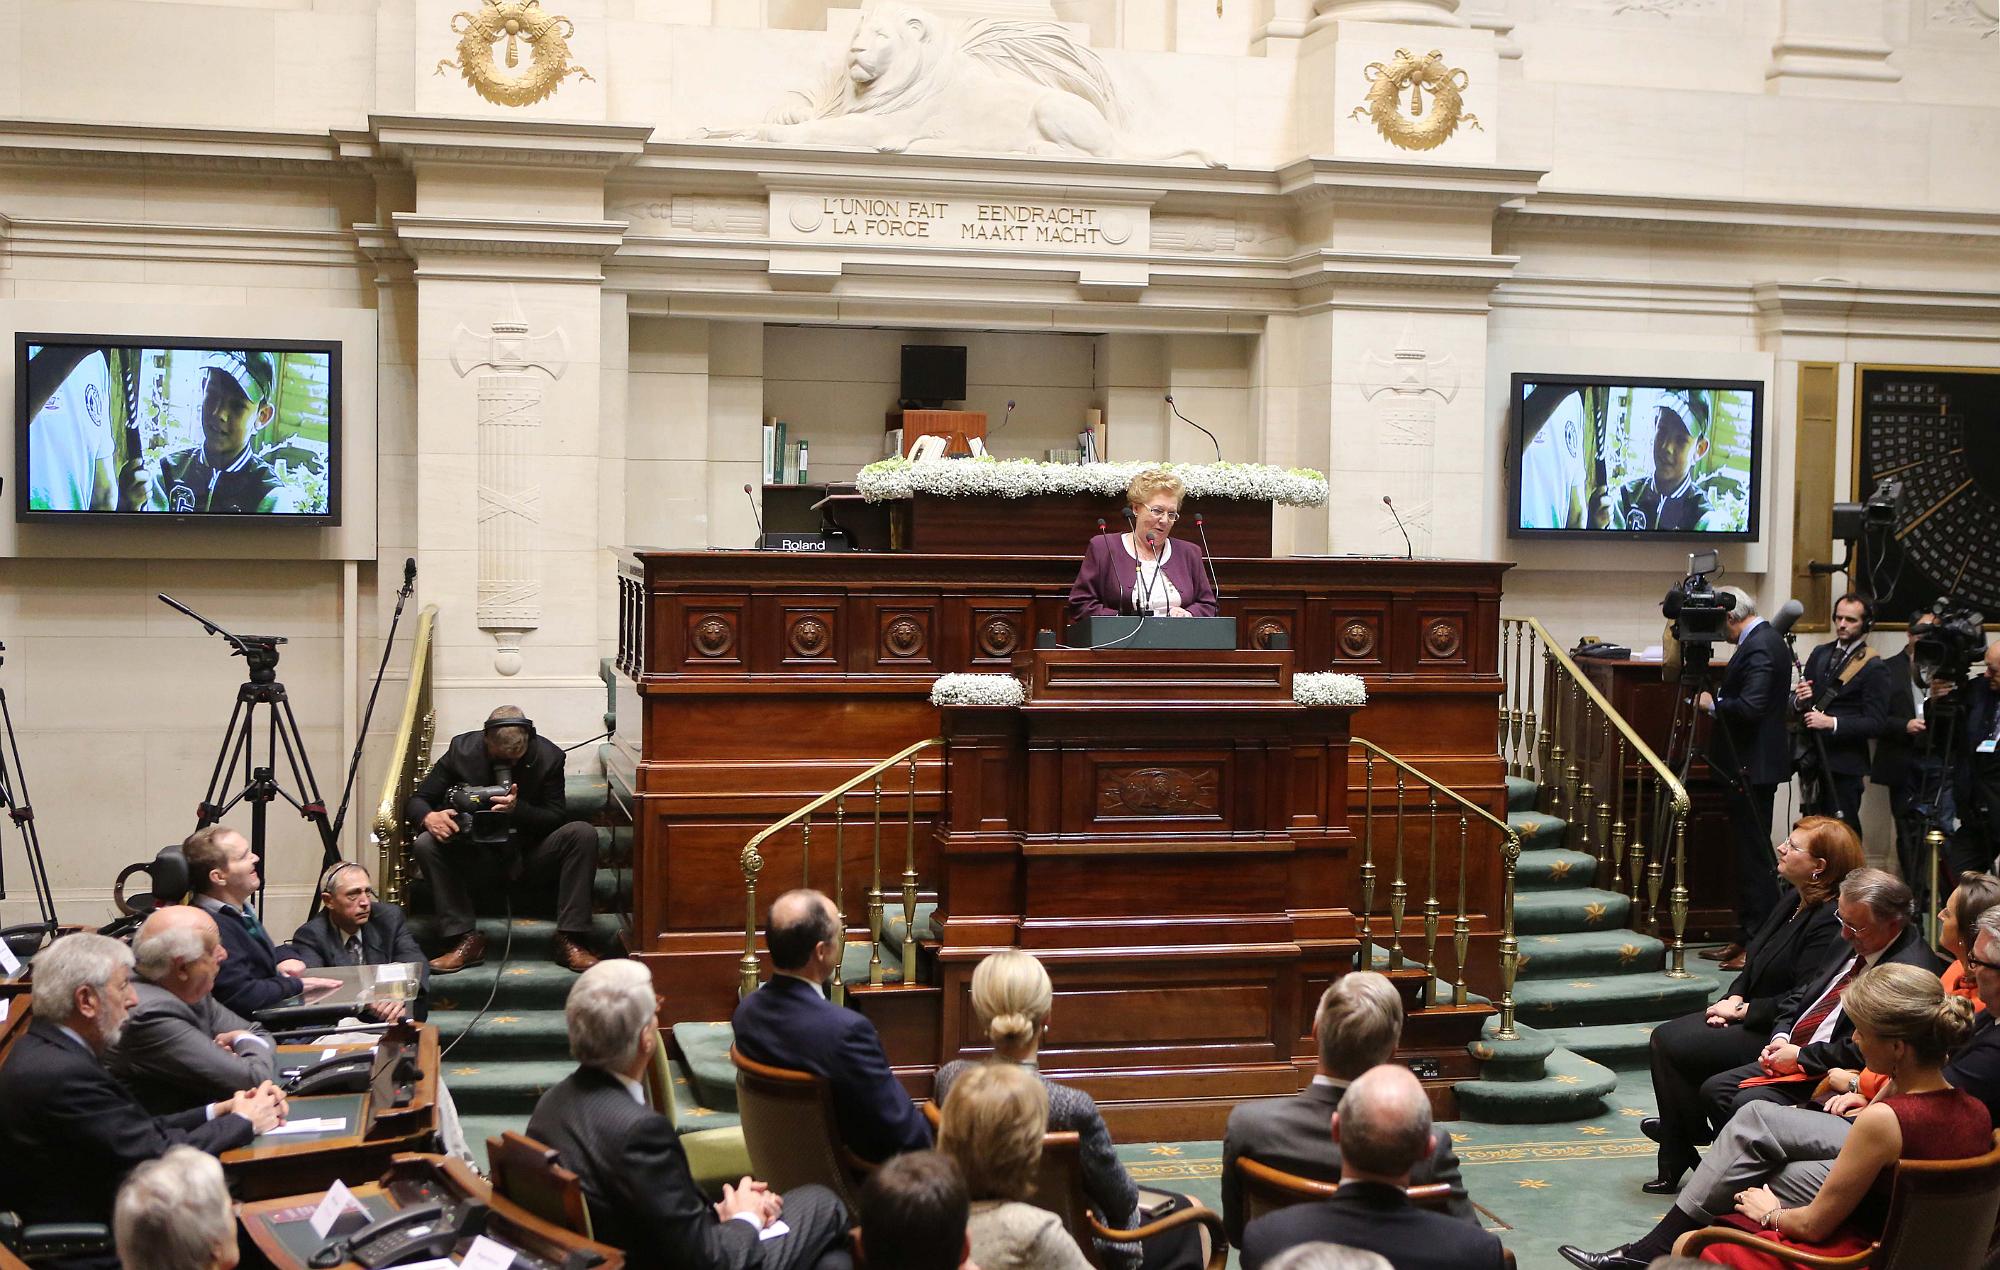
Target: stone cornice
[(1323, 180), (577, 146), (422, 235), (154, 241), (183, 149), (1849, 310), (1568, 211)]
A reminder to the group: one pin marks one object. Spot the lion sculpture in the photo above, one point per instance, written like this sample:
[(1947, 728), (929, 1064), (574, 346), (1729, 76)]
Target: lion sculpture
[(913, 81)]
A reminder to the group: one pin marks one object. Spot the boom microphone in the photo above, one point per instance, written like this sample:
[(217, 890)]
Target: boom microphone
[(1214, 582), (409, 573), (1788, 615), (1008, 417), (1204, 431), (1409, 552)]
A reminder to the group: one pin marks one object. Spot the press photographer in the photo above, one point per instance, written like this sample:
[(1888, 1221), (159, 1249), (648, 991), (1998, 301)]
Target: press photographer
[(1914, 756), (1747, 748), (494, 806), (1843, 702), (1977, 768)]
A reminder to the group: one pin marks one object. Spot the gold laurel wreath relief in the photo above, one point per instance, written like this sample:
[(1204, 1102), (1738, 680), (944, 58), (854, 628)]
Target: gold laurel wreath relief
[(1422, 127), (489, 51)]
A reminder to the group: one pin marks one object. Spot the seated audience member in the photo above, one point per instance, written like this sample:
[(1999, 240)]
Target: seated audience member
[(1813, 1034), (1785, 954), (635, 1175), (913, 1215), (992, 1129), (256, 975), (1011, 995), (353, 928), (541, 839), (181, 1046), (174, 1213), (1383, 1130), (1328, 1257), (69, 1132), (788, 1022), (1906, 1025), (1357, 1025)]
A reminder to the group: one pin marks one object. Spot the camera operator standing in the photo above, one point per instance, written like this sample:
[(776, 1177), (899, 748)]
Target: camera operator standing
[(1751, 757), (1845, 695), (1907, 763), (1978, 771), (495, 802)]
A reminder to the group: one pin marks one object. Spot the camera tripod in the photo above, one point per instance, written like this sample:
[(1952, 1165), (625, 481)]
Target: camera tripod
[(28, 936), (238, 753)]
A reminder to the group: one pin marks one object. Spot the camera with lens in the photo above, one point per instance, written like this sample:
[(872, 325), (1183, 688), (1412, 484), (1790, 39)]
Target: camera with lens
[(477, 817), (1948, 648)]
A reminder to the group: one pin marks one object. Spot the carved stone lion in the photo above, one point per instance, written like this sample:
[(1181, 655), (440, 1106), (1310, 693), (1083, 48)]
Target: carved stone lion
[(914, 81)]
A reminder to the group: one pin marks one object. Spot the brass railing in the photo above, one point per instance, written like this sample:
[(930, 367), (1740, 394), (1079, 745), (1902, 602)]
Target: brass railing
[(1467, 812), (752, 862), (409, 759), (1558, 730)]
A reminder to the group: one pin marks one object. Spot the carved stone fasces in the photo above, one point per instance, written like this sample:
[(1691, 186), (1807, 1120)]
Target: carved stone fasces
[(1158, 791)]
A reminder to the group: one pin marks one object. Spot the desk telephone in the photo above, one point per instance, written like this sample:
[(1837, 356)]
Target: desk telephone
[(420, 1232), (342, 1074)]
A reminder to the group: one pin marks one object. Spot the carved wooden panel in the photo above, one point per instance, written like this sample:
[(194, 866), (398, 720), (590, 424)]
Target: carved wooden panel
[(903, 637), (713, 637), (1441, 640), (1134, 790), (996, 634), (809, 635), (1358, 639), (1266, 628)]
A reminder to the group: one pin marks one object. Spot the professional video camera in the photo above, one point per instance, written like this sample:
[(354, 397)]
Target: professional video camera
[(1698, 614), (477, 816), (1950, 647)]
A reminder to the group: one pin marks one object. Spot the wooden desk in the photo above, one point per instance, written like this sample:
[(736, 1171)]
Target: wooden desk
[(281, 1236)]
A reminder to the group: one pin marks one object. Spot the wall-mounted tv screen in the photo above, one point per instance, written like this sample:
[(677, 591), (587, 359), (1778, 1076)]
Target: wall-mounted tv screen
[(1626, 457), (933, 373), (118, 427)]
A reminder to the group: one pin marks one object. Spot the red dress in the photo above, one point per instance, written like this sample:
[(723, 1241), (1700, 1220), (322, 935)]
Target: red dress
[(1945, 1124)]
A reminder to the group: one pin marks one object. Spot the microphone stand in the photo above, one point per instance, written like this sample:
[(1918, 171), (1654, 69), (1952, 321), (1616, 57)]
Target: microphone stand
[(354, 760), (1208, 558)]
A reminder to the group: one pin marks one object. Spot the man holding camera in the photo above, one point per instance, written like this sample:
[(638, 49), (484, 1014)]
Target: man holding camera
[(1978, 770), (1845, 699), (495, 801), (1747, 749)]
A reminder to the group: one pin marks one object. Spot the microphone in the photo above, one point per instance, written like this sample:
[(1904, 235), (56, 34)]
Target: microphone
[(1214, 583), (755, 511), (1008, 417), (1102, 528), (1409, 552), (409, 573), (1787, 617), (1204, 431), (1146, 596)]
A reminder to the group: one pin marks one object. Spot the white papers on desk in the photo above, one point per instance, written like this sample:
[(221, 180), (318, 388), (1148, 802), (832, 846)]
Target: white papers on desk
[(8, 961), (338, 1200), (312, 1124), (487, 1254), (1651, 652)]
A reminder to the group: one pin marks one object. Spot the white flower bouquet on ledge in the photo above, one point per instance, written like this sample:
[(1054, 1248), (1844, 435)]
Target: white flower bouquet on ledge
[(977, 690), (1327, 688), (988, 477)]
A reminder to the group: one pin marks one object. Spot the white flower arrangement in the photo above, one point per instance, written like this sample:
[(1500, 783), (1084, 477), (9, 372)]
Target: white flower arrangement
[(1326, 688), (977, 690), (989, 477)]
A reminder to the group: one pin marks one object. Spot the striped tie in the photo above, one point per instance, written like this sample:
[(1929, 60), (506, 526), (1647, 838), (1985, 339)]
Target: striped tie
[(1809, 1023)]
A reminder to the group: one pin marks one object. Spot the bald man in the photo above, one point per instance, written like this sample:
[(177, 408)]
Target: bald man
[(789, 1023), (181, 1047), (1383, 1130)]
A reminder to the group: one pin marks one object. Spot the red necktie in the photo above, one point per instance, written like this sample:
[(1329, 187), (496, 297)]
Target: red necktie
[(1808, 1024)]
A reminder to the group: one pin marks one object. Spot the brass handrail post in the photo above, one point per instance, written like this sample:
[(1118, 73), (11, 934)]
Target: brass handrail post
[(1677, 900), (1656, 867), (839, 990), (1601, 814), (1534, 723), (1586, 791), (1506, 720), (910, 884), (1510, 946), (1552, 771), (1399, 891), (1368, 865), (875, 899), (752, 862), (806, 852), (1572, 774), (1617, 813), (1461, 926), (1431, 907)]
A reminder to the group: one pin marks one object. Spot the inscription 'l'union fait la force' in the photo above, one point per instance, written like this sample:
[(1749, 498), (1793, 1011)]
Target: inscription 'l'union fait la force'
[(989, 222)]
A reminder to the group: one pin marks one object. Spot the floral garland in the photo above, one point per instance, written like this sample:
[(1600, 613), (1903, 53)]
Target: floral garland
[(988, 477), (977, 690), (1326, 688)]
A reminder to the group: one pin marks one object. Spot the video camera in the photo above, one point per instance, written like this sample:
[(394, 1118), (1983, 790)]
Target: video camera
[(477, 817), (1948, 648), (1698, 612)]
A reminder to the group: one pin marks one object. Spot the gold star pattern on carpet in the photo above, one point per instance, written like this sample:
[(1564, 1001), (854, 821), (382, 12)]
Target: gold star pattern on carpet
[(697, 1112), (465, 1071), (1594, 1130), (1166, 1150), (445, 1003), (521, 970), (1594, 912), (1547, 939), (1632, 1111), (1627, 954), (1457, 1138), (504, 1019), (1532, 1184), (1559, 870), (1581, 984), (1568, 1080)]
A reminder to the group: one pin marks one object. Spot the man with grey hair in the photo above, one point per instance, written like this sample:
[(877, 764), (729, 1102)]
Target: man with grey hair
[(635, 1174), (174, 1213), (181, 1046), (1358, 1023), (1383, 1130), (70, 1133), (1751, 751), (1328, 1257)]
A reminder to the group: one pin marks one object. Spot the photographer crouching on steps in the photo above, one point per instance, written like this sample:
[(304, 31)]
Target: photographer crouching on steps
[(494, 804)]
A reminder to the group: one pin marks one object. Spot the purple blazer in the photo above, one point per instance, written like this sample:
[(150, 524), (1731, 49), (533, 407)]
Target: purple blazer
[(1103, 587)]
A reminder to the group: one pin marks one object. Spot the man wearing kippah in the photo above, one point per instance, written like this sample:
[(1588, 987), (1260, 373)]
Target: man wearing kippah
[(222, 474), (1669, 499)]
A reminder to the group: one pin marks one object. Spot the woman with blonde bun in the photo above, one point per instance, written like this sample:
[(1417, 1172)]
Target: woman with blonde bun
[(1012, 999)]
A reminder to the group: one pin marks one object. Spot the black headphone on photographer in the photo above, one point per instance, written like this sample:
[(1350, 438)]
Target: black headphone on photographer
[(1867, 610)]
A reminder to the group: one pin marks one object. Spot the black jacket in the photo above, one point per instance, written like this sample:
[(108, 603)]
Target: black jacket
[(541, 808), (385, 938), (249, 980), (1981, 703), (1861, 706), (1895, 749), (1750, 710), (1975, 1069), (1784, 951), (1839, 1049), (70, 1133), (1376, 1218)]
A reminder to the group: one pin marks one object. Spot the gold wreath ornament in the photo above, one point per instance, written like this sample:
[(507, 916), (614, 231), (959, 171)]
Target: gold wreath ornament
[(1422, 127), (489, 51)]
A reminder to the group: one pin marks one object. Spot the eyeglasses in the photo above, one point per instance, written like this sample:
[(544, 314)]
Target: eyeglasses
[(1974, 963), (1163, 513), (1787, 848), (1851, 928)]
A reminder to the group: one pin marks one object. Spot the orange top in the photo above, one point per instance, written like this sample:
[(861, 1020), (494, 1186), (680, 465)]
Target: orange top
[(1957, 982)]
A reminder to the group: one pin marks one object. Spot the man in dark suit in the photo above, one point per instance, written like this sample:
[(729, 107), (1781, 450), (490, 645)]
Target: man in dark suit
[(1750, 752), (1383, 1130), (256, 974), (635, 1174), (1908, 767), (181, 1046), (69, 1133), (1878, 920), (788, 1022), (1845, 695), (1359, 1021), (1976, 769), (353, 928)]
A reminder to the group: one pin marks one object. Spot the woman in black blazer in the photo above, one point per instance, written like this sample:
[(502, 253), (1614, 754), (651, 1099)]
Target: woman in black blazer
[(1790, 948)]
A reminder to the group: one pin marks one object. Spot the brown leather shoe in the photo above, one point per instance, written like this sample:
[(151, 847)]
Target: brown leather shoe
[(1734, 963), (571, 955), (1728, 952), (470, 950)]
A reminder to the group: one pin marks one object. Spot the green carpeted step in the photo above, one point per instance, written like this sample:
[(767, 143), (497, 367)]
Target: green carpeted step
[(1579, 908), (854, 963), (1588, 952), (534, 937), (487, 1087), (1549, 869), (611, 890), (1574, 1087), (1522, 793), (691, 1115), (1548, 1003), (892, 928), (704, 1047), (584, 794), (525, 984), (1622, 1047), (502, 1033), (1537, 830), (1522, 1058)]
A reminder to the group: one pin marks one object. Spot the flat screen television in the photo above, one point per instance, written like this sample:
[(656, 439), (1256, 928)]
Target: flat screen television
[(118, 427), (933, 374), (1631, 457)]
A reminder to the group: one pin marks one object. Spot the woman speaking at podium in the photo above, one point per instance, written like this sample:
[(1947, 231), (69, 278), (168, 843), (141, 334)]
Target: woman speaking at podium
[(1143, 570)]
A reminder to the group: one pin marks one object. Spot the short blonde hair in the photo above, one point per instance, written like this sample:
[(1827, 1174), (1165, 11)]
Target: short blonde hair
[(994, 1119), (1357, 1025), (1011, 995), (1155, 480)]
